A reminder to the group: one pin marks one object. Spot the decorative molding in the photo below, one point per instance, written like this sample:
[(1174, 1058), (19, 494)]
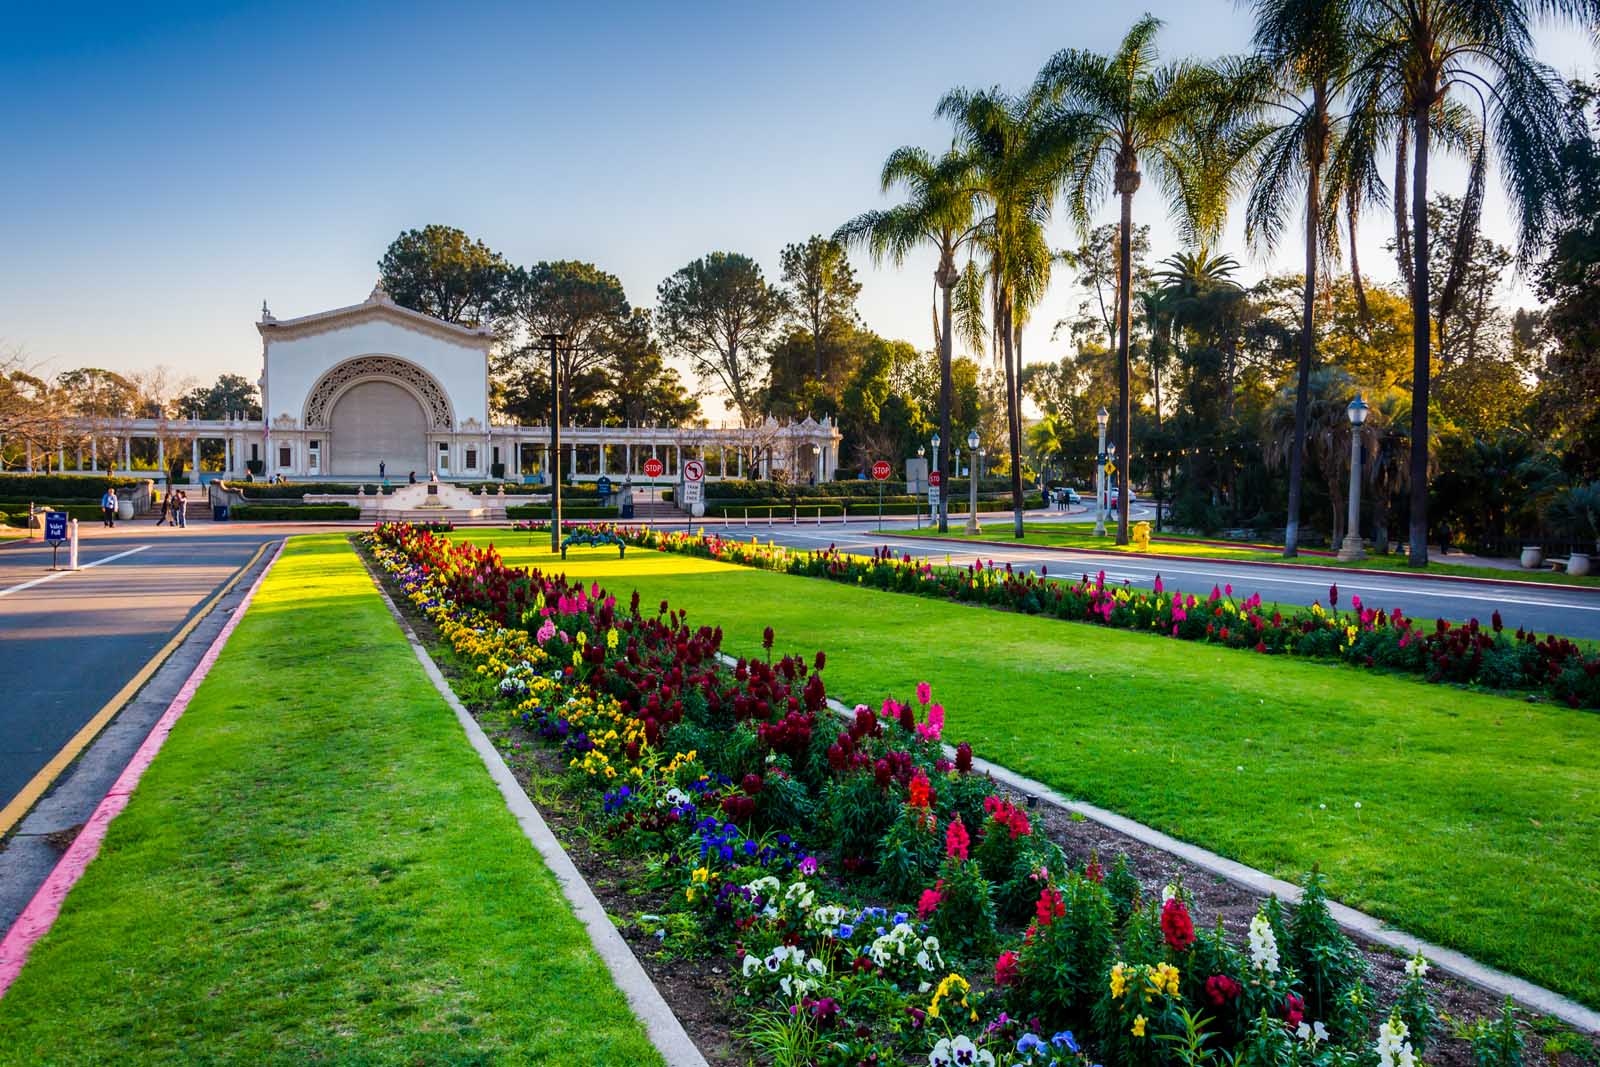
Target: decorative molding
[(435, 401), (471, 425), (284, 421), (378, 307)]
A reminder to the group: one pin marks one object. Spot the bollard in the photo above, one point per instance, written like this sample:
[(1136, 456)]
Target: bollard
[(72, 544), (819, 514)]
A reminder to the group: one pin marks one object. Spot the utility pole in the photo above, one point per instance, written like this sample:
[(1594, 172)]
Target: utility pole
[(555, 340)]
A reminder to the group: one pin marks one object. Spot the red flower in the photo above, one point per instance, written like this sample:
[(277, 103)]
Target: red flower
[(963, 757), (956, 839), (1294, 1009), (919, 791), (1220, 989), (1005, 969), (1049, 907), (1176, 926), (930, 900), (1094, 872)]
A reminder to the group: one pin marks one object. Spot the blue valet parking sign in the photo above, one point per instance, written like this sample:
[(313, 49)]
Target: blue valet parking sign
[(55, 526)]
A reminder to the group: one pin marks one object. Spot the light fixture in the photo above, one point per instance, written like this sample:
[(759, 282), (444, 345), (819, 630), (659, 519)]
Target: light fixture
[(1357, 411), (972, 439)]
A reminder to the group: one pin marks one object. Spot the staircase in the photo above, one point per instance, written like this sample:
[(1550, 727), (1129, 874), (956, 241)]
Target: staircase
[(656, 511)]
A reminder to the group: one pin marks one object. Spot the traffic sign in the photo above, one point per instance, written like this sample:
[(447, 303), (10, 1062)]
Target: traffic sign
[(654, 468), (935, 478), (603, 486), (693, 470), (881, 470), (55, 526)]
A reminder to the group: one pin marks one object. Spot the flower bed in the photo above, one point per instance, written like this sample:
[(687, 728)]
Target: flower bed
[(882, 903), (1363, 636)]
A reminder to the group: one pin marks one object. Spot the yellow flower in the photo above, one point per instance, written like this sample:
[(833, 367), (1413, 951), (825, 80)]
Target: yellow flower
[(583, 639), (1119, 980), (1138, 1026), (1163, 978), (611, 638), (946, 988)]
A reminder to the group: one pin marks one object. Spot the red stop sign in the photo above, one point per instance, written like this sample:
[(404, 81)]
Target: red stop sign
[(935, 478), (881, 469), (653, 468)]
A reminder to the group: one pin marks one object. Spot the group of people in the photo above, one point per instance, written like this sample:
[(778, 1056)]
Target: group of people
[(174, 508)]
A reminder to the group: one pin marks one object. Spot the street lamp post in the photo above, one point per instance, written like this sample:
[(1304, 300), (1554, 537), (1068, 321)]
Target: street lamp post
[(944, 524), (555, 340), (972, 483), (1351, 548), (1101, 417), (916, 508)]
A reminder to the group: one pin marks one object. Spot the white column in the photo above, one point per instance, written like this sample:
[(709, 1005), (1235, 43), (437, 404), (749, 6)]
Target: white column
[(194, 458), (161, 452), (127, 452), (740, 462), (61, 456), (627, 456), (227, 455), (602, 455), (80, 456)]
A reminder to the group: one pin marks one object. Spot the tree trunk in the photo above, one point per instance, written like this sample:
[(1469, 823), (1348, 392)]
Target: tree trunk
[(1420, 341), (1302, 388), (1014, 417), (1124, 376), (946, 399)]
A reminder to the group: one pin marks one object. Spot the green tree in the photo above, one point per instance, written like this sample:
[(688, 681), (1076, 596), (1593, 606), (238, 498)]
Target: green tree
[(1412, 55), (1304, 62), (718, 312), (938, 212), (1128, 110), (100, 393), (640, 388), (822, 290), (1097, 268), (440, 271), (585, 305), (230, 394), (1017, 150)]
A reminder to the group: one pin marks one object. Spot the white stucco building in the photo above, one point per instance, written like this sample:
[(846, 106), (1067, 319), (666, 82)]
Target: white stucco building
[(345, 390)]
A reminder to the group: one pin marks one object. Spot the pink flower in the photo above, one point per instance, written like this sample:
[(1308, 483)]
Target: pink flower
[(956, 839), (1158, 587), (930, 901), (930, 730), (924, 692), (1005, 969)]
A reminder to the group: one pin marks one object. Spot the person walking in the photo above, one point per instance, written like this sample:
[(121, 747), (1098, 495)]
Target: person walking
[(180, 510), (411, 479), (382, 466), (166, 508), (108, 506)]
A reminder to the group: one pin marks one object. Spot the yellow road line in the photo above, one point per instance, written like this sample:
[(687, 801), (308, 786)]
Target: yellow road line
[(13, 812)]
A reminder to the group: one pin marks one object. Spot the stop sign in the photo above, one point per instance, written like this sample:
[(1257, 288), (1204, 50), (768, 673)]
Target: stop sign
[(881, 469), (935, 477), (653, 468)]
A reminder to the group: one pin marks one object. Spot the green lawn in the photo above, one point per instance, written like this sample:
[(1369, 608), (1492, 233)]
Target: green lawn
[(1479, 817), (1080, 535), (317, 868)]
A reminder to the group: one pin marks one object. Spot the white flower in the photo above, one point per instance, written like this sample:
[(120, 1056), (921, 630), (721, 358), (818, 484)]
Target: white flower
[(1168, 892), (1263, 944), (815, 966), (1393, 1048), (1417, 966), (961, 1050), (750, 966), (1319, 1032)]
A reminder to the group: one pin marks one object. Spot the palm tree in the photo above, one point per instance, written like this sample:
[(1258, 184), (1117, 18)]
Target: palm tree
[(1410, 55), (939, 212), (1016, 152), (1305, 59), (1128, 110)]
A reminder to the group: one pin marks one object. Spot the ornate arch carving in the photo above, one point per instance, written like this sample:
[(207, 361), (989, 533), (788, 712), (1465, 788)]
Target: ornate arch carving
[(319, 402)]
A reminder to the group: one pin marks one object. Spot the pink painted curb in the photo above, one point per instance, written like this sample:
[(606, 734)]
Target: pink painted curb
[(41, 913)]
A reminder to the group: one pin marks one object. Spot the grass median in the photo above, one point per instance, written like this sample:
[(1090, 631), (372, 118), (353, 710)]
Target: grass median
[(1466, 818), (317, 868), (1079, 535)]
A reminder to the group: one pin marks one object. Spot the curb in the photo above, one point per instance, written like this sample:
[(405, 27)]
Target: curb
[(1450, 961), (1469, 579), (45, 907), (661, 1025)]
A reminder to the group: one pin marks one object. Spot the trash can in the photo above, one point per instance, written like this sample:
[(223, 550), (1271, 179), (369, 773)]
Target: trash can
[(627, 510), (219, 513)]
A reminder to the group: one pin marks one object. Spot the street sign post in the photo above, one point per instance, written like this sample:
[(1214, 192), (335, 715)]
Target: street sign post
[(55, 534), (935, 479), (694, 486), (880, 472), (653, 469), (603, 488)]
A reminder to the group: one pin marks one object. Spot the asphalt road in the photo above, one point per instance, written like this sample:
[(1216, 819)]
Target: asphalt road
[(1546, 609), (70, 642)]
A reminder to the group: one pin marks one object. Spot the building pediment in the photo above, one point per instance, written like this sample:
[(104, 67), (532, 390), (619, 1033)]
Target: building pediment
[(377, 307)]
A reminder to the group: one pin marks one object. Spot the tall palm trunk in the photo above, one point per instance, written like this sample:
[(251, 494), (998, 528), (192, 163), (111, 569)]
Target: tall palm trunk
[(1302, 387), (1127, 184), (1013, 414), (947, 281), (1420, 341)]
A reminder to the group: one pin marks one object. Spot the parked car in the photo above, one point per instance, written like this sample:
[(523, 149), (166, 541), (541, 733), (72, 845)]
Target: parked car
[(1062, 496), (1133, 498)]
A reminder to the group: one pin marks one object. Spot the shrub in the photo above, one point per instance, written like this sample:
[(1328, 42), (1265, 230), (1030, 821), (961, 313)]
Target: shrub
[(294, 512), (37, 487)]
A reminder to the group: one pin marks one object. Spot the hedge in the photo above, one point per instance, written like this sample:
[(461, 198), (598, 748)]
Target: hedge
[(70, 487), (294, 512), (296, 490), (734, 487), (542, 511)]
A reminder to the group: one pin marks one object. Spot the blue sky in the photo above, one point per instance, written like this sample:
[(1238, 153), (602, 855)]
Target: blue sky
[(168, 169)]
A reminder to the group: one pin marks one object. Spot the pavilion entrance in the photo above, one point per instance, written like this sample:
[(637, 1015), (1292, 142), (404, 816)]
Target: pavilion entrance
[(375, 421)]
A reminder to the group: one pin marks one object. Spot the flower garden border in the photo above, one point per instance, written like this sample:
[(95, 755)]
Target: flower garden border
[(663, 1027), (1108, 833)]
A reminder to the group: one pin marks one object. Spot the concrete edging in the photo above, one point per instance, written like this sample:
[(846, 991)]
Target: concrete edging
[(645, 1000), (1448, 960)]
